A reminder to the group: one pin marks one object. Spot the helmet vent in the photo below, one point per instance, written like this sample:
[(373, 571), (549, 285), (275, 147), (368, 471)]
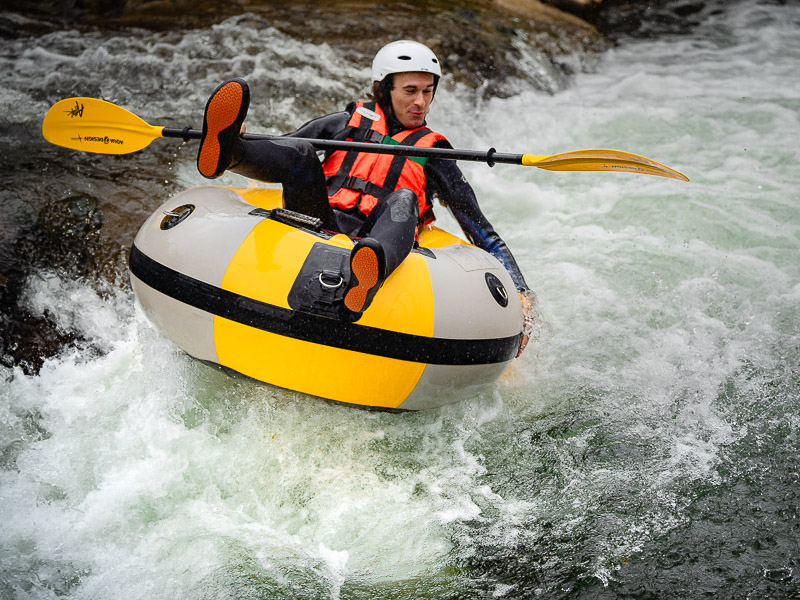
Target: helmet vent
[(404, 57)]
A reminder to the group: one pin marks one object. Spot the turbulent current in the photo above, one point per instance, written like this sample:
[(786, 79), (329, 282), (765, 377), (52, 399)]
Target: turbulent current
[(645, 445)]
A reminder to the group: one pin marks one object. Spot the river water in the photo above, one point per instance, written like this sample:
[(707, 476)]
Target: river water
[(646, 444)]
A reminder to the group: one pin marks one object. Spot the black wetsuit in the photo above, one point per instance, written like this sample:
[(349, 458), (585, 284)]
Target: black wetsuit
[(296, 166)]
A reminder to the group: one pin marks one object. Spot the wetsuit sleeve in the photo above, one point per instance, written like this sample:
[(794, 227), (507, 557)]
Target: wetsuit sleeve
[(445, 179)]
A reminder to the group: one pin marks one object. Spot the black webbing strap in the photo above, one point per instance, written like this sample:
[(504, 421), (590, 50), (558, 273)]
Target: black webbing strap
[(364, 134), (399, 162), (335, 181), (363, 186), (392, 176)]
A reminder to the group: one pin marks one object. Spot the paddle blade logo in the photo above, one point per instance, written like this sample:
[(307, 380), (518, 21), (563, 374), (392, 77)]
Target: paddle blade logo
[(99, 139), (75, 111), (92, 125)]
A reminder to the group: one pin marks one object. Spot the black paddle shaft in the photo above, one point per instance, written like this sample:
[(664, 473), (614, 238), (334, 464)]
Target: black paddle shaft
[(490, 157)]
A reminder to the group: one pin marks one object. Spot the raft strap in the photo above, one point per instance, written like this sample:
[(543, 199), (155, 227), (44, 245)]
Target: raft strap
[(318, 288), (289, 217)]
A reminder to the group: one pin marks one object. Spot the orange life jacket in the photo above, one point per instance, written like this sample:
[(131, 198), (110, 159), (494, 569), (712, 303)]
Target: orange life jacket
[(360, 179)]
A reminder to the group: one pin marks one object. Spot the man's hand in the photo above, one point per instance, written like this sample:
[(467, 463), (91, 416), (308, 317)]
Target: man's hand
[(528, 300)]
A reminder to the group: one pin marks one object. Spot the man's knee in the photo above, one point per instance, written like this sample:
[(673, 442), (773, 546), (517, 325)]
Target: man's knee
[(299, 159), (403, 205)]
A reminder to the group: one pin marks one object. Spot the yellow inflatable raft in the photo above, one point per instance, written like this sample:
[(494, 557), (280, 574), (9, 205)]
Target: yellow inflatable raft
[(232, 278)]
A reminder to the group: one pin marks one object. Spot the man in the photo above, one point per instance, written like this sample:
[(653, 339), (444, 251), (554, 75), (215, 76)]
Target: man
[(379, 198)]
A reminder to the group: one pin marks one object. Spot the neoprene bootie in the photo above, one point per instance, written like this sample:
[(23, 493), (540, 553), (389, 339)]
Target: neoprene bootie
[(367, 273), (225, 112)]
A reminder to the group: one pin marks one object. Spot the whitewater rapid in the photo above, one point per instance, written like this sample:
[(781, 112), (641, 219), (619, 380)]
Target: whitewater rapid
[(669, 313)]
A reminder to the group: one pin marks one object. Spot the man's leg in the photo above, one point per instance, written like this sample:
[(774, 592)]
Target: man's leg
[(295, 165), (389, 231), (292, 163), (393, 224)]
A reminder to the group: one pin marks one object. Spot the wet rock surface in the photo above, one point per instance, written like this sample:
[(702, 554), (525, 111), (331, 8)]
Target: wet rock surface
[(64, 239), (632, 18)]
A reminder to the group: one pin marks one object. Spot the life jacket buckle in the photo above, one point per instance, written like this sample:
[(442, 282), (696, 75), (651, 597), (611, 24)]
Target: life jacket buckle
[(356, 183), (376, 137), (364, 134)]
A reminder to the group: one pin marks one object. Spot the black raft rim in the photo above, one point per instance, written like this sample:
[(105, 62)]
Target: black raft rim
[(317, 329)]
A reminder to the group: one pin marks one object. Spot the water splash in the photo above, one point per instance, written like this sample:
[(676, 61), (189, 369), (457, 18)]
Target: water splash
[(657, 407)]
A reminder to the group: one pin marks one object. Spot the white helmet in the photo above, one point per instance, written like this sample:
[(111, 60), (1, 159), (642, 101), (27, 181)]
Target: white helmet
[(403, 57)]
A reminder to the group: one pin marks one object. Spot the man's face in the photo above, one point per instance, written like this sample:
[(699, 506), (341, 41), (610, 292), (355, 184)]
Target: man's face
[(411, 97)]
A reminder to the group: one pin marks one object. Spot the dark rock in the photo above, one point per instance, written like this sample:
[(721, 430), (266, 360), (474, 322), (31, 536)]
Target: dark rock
[(481, 43), (63, 239), (587, 10), (635, 18)]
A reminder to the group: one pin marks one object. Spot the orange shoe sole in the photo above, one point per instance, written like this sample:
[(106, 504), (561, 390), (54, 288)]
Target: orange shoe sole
[(365, 269), (222, 111)]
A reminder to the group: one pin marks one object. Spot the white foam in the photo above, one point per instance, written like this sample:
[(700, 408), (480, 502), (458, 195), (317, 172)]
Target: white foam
[(135, 472)]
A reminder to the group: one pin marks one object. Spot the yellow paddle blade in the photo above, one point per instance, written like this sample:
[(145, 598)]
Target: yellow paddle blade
[(601, 160), (93, 125)]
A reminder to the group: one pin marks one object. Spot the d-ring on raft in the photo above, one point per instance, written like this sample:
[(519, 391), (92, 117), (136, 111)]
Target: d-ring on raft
[(233, 279)]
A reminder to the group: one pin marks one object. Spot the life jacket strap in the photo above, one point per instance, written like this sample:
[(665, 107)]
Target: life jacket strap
[(365, 187), (342, 179), (365, 134), (354, 131), (398, 162)]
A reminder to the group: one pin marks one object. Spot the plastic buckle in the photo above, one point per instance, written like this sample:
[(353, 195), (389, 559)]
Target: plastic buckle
[(356, 183)]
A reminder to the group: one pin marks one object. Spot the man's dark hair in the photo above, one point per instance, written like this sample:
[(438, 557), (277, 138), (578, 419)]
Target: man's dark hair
[(381, 91)]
